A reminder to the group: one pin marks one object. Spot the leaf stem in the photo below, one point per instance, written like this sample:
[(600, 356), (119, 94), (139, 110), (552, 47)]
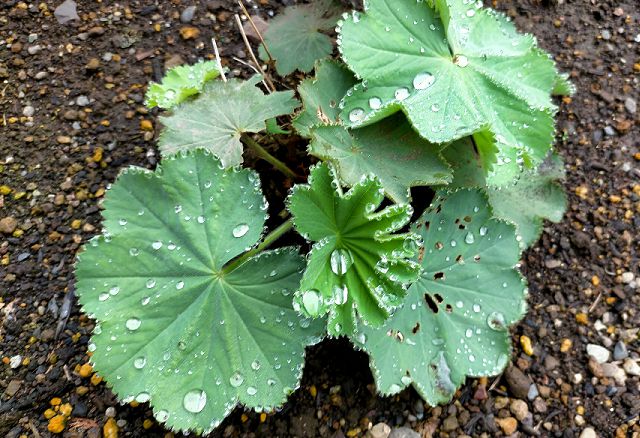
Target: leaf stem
[(268, 240), (262, 153)]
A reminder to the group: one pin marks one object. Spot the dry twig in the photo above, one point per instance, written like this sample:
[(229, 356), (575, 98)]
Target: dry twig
[(267, 80)]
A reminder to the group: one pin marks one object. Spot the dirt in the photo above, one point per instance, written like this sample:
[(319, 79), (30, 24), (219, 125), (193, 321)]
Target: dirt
[(57, 159)]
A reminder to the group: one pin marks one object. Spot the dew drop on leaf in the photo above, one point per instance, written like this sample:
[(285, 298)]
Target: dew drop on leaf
[(145, 301), (156, 245), (312, 301), (133, 324), (483, 231), (162, 416), (252, 390), (356, 115), (151, 283), (402, 93), (122, 222), (143, 397), (469, 238), (340, 294), (180, 285), (103, 297), (255, 365), (461, 61), (423, 81), (139, 362), (406, 380), (394, 389), (340, 261), (134, 252), (496, 321), (195, 400), (236, 379), (240, 230)]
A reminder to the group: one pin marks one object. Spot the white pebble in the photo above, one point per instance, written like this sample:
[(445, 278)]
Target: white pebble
[(600, 354)]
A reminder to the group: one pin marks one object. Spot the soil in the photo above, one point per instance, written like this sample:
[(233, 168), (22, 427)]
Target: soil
[(72, 109)]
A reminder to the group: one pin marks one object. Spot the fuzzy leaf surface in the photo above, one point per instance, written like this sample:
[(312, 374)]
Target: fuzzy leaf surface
[(180, 83), (174, 327), (216, 120), (296, 38), (359, 266), (534, 196), (452, 76), (455, 318)]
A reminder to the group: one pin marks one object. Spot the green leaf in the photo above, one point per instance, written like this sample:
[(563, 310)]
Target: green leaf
[(321, 94), (389, 149), (534, 196), (455, 318), (451, 78), (358, 263), (274, 128), (216, 120), (296, 38), (174, 325), (180, 83)]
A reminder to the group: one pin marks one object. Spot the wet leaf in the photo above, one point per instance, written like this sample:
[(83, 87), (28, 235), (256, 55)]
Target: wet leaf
[(359, 265), (454, 321), (175, 326), (216, 120), (296, 38), (180, 83), (453, 76)]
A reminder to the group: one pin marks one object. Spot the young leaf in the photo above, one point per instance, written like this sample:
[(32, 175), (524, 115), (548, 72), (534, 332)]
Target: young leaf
[(180, 83), (455, 318), (451, 78), (216, 120), (174, 325), (545, 197), (296, 39), (358, 263), (390, 149)]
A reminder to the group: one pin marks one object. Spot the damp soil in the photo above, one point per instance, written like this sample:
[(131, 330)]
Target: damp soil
[(72, 116)]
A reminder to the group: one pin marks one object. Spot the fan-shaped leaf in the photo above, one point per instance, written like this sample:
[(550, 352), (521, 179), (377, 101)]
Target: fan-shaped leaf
[(180, 83), (452, 77), (357, 265), (296, 39), (216, 120), (455, 318), (174, 325)]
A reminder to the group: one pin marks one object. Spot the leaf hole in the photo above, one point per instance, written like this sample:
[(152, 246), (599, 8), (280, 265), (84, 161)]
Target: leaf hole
[(438, 276), (460, 259), (448, 308), (467, 219), (433, 306), (439, 245), (416, 328), (476, 258), (439, 298)]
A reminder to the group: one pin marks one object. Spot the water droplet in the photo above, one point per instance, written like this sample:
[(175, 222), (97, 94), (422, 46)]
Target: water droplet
[(177, 208), (356, 115), (375, 103), (340, 294), (162, 416), (468, 333), (472, 358), (180, 285), (145, 301), (406, 380), (496, 321), (156, 245), (134, 252), (255, 365), (139, 362), (143, 397), (195, 400), (151, 283), (483, 231), (122, 222), (435, 108), (469, 238), (103, 297), (402, 93), (236, 379), (476, 308), (471, 13), (453, 243), (133, 324), (240, 230), (394, 388), (201, 219), (251, 390), (271, 382), (340, 261), (423, 81), (461, 61), (312, 302)]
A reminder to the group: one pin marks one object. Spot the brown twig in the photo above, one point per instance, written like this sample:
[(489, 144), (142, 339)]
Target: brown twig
[(268, 83), (264, 44), (595, 303)]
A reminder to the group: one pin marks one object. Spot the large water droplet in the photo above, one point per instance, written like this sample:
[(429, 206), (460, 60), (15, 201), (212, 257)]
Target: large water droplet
[(156, 245), (375, 103), (312, 301), (122, 222), (134, 252), (240, 230), (461, 61), (133, 324), (340, 294), (469, 238), (423, 81), (251, 390), (402, 93), (406, 380), (496, 321), (483, 231), (195, 400), (162, 416), (236, 379), (143, 397), (340, 261), (103, 297), (356, 115), (139, 362), (255, 365), (151, 283)]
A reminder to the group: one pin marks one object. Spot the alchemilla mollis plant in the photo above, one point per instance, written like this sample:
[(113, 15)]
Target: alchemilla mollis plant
[(197, 313)]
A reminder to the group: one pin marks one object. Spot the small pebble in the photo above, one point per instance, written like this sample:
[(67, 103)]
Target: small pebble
[(608, 130), (28, 111), (588, 433), (187, 14), (627, 277), (598, 352), (110, 412), (82, 101), (34, 50), (631, 367), (620, 351), (630, 105), (15, 361), (519, 409), (380, 430)]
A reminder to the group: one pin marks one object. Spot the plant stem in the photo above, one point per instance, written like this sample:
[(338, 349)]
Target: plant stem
[(266, 242), (262, 153)]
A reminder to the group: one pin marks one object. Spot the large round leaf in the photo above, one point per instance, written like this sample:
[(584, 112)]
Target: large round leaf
[(177, 327), (455, 318)]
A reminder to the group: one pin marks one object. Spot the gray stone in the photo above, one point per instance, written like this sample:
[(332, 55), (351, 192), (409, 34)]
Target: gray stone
[(187, 15), (28, 111), (34, 50), (82, 101), (631, 105), (66, 12), (620, 351), (403, 432)]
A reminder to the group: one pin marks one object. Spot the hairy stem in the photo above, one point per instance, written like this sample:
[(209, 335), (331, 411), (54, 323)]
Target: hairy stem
[(268, 240), (262, 153)]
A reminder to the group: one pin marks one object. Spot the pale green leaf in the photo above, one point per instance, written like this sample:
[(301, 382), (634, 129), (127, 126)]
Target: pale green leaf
[(174, 326), (451, 78), (180, 83), (358, 267), (455, 318), (216, 120), (296, 38)]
